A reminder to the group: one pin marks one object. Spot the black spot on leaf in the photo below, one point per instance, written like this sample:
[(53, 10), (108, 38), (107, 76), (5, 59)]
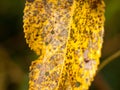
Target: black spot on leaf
[(52, 32)]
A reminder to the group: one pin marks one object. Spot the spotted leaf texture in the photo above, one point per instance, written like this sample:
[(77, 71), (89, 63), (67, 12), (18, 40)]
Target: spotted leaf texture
[(67, 35)]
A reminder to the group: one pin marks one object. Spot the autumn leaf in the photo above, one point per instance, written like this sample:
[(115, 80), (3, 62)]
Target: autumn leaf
[(67, 35)]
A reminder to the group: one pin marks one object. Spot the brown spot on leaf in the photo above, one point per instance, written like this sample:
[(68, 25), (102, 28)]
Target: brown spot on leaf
[(86, 60), (30, 1), (46, 73), (77, 84)]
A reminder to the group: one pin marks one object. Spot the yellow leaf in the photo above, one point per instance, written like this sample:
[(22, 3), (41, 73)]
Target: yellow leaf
[(67, 35)]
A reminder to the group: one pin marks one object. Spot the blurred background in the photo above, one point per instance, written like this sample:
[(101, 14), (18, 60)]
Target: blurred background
[(16, 57)]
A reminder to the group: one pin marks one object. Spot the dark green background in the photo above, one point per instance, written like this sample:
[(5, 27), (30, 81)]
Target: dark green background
[(16, 57)]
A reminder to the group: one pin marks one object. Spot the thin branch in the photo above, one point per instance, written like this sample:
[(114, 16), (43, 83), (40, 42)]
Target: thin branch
[(108, 60)]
